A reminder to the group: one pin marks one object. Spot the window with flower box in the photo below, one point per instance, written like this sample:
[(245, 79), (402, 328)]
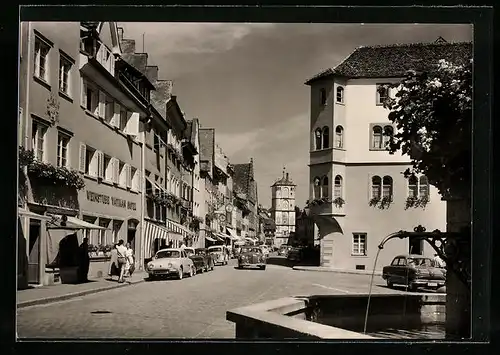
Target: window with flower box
[(62, 149), (38, 133), (337, 192), (41, 59)]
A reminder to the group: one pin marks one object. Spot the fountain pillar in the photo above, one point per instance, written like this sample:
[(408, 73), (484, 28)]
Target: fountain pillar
[(458, 295)]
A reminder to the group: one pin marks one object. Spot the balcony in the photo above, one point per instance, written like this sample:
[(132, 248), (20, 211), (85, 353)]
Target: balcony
[(185, 204), (95, 49)]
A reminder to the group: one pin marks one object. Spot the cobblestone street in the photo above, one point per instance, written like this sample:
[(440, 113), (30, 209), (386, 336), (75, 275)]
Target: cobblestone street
[(189, 308)]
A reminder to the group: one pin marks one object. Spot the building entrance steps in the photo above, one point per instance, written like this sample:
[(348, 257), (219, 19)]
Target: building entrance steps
[(48, 294)]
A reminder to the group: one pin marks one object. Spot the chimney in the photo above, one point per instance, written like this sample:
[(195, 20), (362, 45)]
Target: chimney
[(152, 73), (128, 46)]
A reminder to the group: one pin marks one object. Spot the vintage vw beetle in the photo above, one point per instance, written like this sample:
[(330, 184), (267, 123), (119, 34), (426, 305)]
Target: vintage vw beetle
[(168, 262), (251, 256)]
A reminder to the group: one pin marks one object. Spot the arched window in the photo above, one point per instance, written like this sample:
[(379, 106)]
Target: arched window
[(317, 137), (285, 218), (377, 137), (339, 137), (337, 192), (285, 192), (423, 188), (324, 187), (387, 186), (326, 137), (340, 94), (278, 192), (376, 187), (317, 188), (322, 95), (388, 133), (412, 186)]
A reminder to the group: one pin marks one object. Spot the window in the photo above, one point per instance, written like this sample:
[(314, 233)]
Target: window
[(117, 225), (413, 186), (324, 187), (339, 137), (87, 233), (102, 233), (322, 94), (340, 94), (109, 109), (38, 132), (62, 150), (382, 93), (122, 180), (64, 75), (377, 137), (337, 192), (376, 187), (135, 178), (91, 98), (41, 63), (387, 186), (108, 168), (317, 136), (123, 118), (326, 137), (388, 133), (359, 244), (423, 188), (91, 164)]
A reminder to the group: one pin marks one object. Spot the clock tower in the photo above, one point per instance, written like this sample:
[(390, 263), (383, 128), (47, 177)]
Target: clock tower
[(283, 208)]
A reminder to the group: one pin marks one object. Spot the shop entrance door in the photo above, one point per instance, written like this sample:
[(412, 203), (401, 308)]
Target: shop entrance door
[(34, 251)]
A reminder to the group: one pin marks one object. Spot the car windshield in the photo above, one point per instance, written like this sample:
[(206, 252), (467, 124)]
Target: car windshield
[(168, 254), (200, 252), (189, 251), (216, 249), (250, 250), (420, 262)]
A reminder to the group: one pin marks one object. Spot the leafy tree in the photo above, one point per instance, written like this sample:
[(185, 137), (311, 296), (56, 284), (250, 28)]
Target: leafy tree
[(432, 112)]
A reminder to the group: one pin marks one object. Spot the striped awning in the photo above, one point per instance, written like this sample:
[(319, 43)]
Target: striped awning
[(178, 228), (222, 236), (209, 239), (232, 233), (152, 232)]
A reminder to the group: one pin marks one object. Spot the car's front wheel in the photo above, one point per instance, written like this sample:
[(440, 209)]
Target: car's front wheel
[(181, 274), (389, 284), (263, 267)]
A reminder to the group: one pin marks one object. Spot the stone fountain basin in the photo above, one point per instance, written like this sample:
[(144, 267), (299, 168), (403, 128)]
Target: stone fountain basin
[(335, 316)]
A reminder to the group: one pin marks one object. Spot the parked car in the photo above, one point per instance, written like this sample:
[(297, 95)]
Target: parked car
[(294, 254), (198, 261), (208, 261), (283, 250), (251, 256), (414, 271), (219, 254), (170, 261)]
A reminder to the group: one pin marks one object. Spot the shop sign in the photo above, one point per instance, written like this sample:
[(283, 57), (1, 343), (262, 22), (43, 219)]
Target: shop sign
[(114, 201)]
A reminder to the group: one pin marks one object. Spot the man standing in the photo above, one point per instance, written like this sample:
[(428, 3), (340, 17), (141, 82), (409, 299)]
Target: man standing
[(122, 258), (84, 260), (439, 262)]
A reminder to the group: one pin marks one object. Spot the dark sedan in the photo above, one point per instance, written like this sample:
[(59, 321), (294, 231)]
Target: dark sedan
[(208, 261), (413, 272), (251, 257)]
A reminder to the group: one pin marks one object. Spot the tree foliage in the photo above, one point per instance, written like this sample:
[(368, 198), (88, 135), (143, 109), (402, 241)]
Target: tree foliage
[(432, 113)]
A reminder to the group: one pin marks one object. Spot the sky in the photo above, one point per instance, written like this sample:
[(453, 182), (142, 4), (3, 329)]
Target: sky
[(246, 80)]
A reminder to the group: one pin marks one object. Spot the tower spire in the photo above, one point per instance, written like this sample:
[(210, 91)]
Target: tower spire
[(284, 171)]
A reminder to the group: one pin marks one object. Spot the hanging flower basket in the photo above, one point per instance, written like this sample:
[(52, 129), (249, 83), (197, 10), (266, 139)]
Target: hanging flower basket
[(26, 157), (381, 202), (415, 202), (339, 202), (56, 175)]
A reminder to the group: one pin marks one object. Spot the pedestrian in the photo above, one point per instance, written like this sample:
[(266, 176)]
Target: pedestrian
[(438, 262), (113, 263), (84, 261), (129, 265), (122, 258), (183, 246)]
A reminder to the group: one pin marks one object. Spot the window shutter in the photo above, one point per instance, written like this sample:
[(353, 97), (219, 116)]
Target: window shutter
[(115, 121), (102, 104), (100, 170), (128, 172), (114, 176), (100, 52), (83, 93), (132, 127), (112, 64), (83, 157)]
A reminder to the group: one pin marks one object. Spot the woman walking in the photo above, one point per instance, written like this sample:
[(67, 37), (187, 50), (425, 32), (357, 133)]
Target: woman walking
[(130, 264), (113, 263), (122, 259)]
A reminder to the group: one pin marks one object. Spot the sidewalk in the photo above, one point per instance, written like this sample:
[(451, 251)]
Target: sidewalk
[(340, 271), (54, 293)]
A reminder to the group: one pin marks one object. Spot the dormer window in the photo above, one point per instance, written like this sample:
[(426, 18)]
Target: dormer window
[(340, 94)]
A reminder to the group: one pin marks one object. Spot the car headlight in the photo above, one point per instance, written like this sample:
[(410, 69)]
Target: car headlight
[(170, 265), (150, 266)]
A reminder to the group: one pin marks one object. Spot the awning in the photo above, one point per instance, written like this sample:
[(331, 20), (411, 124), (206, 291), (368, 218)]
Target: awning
[(155, 184), (209, 239), (232, 233), (222, 236), (152, 232), (71, 223), (178, 228), (26, 213)]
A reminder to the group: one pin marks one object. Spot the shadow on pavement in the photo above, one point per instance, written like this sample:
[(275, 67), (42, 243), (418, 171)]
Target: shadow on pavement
[(280, 261)]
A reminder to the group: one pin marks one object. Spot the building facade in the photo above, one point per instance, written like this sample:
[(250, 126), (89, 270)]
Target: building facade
[(246, 199), (283, 208), (354, 181)]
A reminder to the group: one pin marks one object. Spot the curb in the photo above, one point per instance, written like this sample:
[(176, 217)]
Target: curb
[(318, 269), (67, 296)]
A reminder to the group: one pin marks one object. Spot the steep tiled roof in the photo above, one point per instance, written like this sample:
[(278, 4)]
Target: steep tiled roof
[(207, 144), (392, 61), (243, 181)]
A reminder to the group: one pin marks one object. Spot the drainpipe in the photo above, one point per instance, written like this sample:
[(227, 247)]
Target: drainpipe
[(143, 196), (28, 76)]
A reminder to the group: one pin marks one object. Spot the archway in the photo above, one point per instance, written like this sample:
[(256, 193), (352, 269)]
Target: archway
[(328, 229)]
